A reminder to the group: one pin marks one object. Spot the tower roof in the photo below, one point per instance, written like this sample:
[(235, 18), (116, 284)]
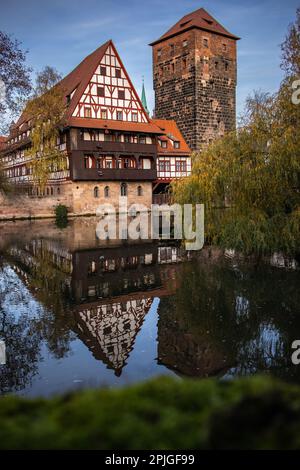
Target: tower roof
[(144, 99), (199, 19)]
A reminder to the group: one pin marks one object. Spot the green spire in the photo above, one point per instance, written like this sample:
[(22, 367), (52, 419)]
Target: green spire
[(144, 99)]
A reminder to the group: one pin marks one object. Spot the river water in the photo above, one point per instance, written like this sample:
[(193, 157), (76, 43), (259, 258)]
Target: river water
[(77, 312)]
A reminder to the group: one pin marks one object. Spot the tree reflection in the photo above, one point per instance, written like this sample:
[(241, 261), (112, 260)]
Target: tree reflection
[(240, 318)]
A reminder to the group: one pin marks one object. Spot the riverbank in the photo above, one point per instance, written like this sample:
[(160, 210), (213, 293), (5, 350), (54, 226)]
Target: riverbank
[(253, 413)]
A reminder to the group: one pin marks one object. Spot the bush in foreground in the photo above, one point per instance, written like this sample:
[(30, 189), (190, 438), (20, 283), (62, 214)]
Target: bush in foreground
[(255, 413)]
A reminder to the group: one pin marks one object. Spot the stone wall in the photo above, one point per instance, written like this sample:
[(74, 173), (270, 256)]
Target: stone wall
[(84, 200), (196, 85), (79, 197)]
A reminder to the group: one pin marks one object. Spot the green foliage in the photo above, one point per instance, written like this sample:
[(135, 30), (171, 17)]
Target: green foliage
[(61, 215), (253, 174), (255, 413)]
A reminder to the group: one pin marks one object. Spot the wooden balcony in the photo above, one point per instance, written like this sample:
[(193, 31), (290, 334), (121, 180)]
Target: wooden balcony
[(79, 172), (112, 148)]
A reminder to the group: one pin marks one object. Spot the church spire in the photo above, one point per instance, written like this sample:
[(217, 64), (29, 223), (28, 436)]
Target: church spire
[(144, 99)]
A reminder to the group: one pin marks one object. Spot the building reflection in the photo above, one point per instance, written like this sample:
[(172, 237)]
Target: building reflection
[(100, 294)]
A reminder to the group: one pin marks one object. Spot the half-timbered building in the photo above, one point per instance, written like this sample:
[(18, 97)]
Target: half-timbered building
[(111, 145)]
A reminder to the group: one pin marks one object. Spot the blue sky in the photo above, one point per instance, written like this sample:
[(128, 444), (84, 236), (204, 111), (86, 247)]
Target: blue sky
[(62, 32)]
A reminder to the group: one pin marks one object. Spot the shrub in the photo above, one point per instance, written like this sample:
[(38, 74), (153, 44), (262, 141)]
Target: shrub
[(253, 413)]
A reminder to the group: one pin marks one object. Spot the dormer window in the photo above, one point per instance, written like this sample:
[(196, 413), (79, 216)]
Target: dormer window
[(176, 144), (163, 144)]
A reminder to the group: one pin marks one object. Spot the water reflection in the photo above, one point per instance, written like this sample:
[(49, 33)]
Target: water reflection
[(65, 294)]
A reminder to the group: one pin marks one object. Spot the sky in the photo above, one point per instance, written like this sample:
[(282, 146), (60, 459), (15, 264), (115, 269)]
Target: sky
[(61, 33)]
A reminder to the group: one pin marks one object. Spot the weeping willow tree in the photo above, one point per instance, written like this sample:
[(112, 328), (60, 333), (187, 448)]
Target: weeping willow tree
[(249, 180), (47, 109)]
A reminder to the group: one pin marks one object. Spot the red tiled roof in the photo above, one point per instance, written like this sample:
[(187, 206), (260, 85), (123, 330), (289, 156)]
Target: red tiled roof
[(199, 19), (149, 128), (77, 79), (170, 129)]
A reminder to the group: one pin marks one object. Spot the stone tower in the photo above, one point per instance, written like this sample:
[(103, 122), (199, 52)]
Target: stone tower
[(194, 70)]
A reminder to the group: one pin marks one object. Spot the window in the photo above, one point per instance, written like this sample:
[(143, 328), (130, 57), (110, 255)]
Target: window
[(164, 166), (119, 116), (172, 67), (127, 138), (159, 53), (127, 163), (216, 65), (134, 117), (106, 191), (176, 144), (96, 192), (139, 191), (103, 114), (100, 91), (205, 42), (142, 139), (103, 70), (58, 191), (172, 49), (224, 47), (163, 144), (118, 73), (226, 66), (87, 112), (184, 64), (180, 166), (185, 43), (123, 189), (121, 94), (88, 161)]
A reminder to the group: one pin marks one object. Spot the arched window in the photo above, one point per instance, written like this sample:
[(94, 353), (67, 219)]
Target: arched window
[(139, 191), (51, 191), (96, 191), (123, 189), (106, 191), (47, 191)]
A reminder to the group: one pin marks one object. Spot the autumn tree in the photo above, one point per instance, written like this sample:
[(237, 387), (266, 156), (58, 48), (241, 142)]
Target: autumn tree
[(15, 83), (46, 110), (291, 48)]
